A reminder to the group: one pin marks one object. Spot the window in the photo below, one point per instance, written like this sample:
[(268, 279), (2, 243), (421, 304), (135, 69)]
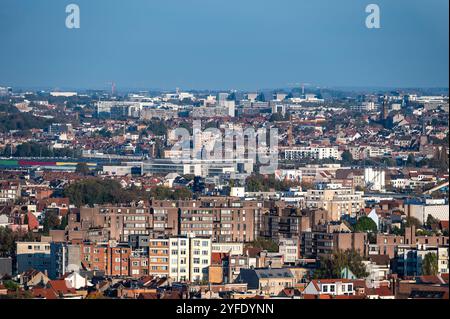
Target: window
[(325, 288)]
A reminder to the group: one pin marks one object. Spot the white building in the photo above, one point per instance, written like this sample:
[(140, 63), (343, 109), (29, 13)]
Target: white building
[(179, 263), (374, 216), (307, 152), (375, 179), (189, 258), (438, 208), (228, 248), (200, 258), (290, 249)]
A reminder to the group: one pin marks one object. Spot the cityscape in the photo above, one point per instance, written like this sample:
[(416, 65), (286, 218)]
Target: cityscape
[(299, 191)]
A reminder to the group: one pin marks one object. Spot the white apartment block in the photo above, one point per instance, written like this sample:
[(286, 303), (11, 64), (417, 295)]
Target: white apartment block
[(179, 258), (375, 179), (200, 258), (307, 152), (290, 249), (364, 107), (189, 258)]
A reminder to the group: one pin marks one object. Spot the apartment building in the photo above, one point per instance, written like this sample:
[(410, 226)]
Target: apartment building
[(159, 257), (289, 249), (224, 219), (189, 258), (337, 201), (9, 191), (322, 244), (283, 222), (409, 259), (389, 244), (33, 255), (113, 259), (200, 258), (307, 152)]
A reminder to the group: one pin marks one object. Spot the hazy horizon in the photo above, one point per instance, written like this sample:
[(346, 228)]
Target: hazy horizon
[(224, 45)]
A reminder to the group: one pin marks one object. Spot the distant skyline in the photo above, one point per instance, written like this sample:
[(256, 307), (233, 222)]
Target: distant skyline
[(224, 44)]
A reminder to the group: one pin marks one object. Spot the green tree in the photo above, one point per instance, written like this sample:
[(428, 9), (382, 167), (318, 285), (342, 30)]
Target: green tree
[(97, 191), (10, 285), (430, 265), (411, 162), (431, 221), (8, 240), (332, 266), (365, 225), (165, 193), (412, 221), (264, 244), (51, 221), (83, 169), (347, 157)]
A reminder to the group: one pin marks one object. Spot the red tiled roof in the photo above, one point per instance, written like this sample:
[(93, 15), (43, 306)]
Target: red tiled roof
[(60, 286), (380, 291), (46, 293)]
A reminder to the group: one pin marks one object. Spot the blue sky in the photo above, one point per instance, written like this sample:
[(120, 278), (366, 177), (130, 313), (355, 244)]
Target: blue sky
[(223, 44)]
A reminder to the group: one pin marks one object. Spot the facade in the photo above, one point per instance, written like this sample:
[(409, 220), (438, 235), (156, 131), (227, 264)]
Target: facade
[(159, 257), (322, 244), (318, 153), (189, 258), (333, 287), (289, 249), (33, 255), (269, 281), (9, 191), (338, 202)]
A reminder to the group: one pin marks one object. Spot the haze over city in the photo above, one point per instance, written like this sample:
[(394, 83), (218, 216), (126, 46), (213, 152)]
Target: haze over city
[(204, 44)]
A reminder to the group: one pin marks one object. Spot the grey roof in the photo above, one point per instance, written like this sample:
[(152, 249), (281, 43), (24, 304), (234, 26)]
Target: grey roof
[(273, 273)]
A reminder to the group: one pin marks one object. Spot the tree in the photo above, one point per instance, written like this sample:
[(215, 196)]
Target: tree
[(347, 157), (165, 193), (430, 265), (264, 244), (10, 285), (431, 221), (8, 240), (411, 162), (82, 168), (51, 221), (97, 191), (366, 225), (332, 266), (412, 221)]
